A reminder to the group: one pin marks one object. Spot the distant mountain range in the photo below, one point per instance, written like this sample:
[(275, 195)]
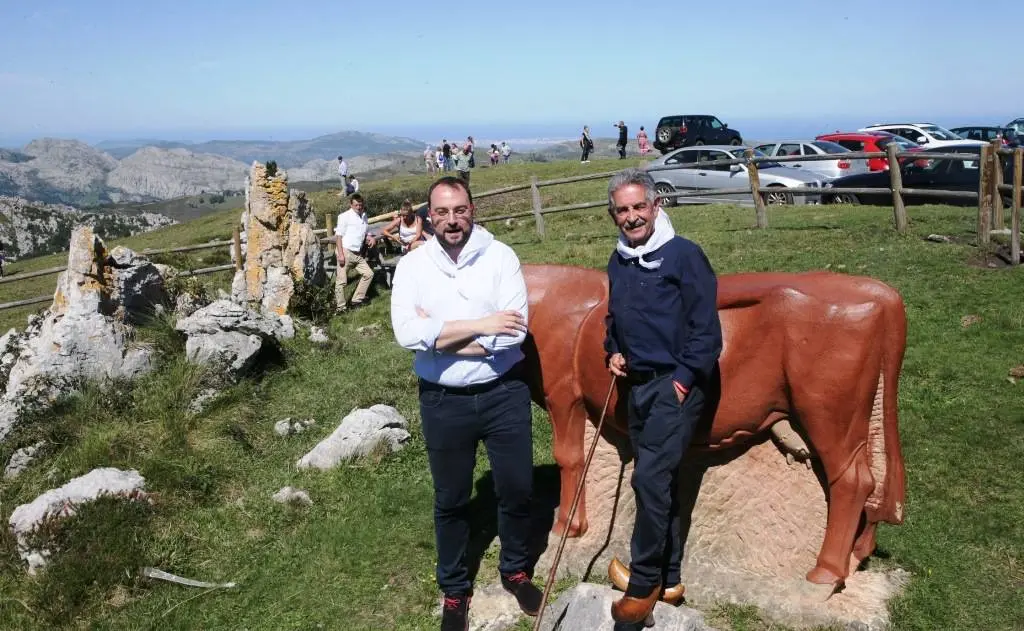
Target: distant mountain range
[(287, 153), (72, 172)]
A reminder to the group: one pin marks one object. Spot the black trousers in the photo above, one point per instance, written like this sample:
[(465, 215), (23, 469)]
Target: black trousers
[(622, 149), (586, 153), (453, 424), (660, 430)]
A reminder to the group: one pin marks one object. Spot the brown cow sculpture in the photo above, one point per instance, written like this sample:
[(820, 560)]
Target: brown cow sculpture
[(819, 349)]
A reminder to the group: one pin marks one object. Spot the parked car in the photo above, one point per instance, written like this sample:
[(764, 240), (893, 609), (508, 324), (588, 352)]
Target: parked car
[(949, 175), (927, 135), (869, 141), (987, 133), (685, 130), (825, 168), (1017, 125), (692, 176)]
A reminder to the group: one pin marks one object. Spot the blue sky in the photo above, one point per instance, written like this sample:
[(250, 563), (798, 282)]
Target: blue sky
[(231, 69)]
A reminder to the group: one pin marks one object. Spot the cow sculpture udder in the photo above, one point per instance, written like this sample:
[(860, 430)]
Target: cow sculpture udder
[(819, 349)]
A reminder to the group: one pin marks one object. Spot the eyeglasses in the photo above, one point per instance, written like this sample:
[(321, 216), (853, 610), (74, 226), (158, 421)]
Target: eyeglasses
[(458, 211)]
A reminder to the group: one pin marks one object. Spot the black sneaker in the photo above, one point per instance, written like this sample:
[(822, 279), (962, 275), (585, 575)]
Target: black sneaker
[(455, 612), (527, 595)]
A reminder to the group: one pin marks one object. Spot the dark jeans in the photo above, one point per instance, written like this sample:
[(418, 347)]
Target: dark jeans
[(452, 426), (622, 149), (586, 153), (660, 430)]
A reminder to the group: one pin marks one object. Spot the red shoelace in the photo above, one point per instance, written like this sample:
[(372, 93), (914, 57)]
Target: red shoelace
[(452, 602), (518, 577)]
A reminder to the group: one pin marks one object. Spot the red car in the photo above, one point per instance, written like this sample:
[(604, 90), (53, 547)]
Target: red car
[(869, 141)]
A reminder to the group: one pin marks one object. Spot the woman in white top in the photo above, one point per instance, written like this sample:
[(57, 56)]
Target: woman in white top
[(410, 228)]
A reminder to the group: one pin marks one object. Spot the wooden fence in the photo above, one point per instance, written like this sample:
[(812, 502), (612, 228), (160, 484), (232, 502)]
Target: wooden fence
[(989, 196)]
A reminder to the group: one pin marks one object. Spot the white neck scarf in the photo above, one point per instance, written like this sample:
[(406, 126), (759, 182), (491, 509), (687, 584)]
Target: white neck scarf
[(663, 233)]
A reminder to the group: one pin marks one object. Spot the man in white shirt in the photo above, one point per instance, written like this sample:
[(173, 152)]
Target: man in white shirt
[(349, 239), (342, 172), (459, 302)]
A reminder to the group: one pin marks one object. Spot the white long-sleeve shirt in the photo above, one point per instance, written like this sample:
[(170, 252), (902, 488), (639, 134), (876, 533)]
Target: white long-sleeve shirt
[(486, 279)]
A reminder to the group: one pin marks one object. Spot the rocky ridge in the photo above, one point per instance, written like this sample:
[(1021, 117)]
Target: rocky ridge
[(33, 228)]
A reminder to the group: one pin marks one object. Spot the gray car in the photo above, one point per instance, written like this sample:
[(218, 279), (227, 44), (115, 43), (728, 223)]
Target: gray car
[(830, 169), (689, 175)]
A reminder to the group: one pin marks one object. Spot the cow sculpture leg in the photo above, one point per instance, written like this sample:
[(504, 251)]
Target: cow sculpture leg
[(568, 422), (865, 543), (850, 483)]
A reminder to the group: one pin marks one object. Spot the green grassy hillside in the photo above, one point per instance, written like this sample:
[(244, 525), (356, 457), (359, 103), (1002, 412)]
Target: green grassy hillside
[(362, 556)]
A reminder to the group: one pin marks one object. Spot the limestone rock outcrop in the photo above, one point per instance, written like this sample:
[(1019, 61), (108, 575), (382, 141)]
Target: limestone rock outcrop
[(303, 253), (279, 243), (62, 502), (360, 432), (87, 332), (267, 282), (230, 337)]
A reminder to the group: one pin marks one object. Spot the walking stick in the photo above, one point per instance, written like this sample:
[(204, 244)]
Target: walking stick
[(572, 508)]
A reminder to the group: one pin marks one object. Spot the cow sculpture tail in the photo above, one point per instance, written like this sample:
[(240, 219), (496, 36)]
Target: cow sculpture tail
[(886, 501)]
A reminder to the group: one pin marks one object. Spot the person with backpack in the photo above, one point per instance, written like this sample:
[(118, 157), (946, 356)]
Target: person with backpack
[(586, 144)]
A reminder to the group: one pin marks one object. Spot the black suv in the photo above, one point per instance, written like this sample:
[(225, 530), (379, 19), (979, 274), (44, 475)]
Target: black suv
[(684, 130)]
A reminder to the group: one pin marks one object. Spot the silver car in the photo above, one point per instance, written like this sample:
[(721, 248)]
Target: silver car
[(830, 169), (689, 175)]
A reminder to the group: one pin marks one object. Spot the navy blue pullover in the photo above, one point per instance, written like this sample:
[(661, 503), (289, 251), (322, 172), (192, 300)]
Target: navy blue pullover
[(665, 319)]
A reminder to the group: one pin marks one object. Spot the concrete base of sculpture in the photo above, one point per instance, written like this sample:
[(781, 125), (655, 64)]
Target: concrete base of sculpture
[(752, 525)]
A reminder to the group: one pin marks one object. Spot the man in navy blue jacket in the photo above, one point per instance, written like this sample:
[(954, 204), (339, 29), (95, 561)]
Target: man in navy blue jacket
[(664, 339)]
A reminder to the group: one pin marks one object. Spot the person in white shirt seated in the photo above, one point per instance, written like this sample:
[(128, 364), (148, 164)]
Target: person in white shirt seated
[(459, 302), (351, 240), (409, 225)]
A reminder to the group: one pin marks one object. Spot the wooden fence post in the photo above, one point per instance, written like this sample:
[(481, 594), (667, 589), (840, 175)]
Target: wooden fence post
[(760, 212), (1018, 164), (537, 216), (236, 236), (984, 205), (998, 220), (896, 183), (329, 223)]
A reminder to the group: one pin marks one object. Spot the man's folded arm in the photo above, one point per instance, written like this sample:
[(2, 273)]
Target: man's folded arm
[(512, 296)]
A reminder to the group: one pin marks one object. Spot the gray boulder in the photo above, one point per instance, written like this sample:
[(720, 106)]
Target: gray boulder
[(359, 433), (62, 502), (21, 459), (230, 337), (587, 607), (87, 333)]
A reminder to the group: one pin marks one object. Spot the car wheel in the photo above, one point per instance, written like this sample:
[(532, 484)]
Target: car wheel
[(845, 198), (699, 142), (736, 142), (664, 189), (777, 197), (664, 135)]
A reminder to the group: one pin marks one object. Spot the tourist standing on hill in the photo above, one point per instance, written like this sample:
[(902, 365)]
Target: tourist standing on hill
[(586, 144), (623, 139), (461, 162), (468, 150), (446, 149), (429, 160), (459, 302), (663, 340), (495, 154), (342, 173), (641, 141), (350, 242), (506, 151)]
